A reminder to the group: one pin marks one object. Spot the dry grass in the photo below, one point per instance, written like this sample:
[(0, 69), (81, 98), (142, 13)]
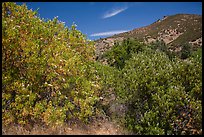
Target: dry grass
[(103, 127), (189, 26)]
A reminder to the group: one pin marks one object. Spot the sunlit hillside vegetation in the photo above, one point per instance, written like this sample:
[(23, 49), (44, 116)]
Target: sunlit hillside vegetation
[(50, 77)]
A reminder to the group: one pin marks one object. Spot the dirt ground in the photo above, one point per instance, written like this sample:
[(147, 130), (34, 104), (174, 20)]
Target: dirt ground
[(99, 127)]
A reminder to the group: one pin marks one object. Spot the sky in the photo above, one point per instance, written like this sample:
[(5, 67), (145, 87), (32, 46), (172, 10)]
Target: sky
[(102, 19)]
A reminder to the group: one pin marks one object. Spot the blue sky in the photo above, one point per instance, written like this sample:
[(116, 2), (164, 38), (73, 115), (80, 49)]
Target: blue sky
[(102, 19)]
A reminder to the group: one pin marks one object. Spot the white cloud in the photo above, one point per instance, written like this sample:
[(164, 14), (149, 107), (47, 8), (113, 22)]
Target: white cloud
[(109, 33), (114, 12)]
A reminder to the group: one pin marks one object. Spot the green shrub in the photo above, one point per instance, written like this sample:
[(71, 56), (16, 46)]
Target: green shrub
[(162, 47), (105, 76), (121, 52), (46, 69), (161, 95), (185, 51), (197, 55)]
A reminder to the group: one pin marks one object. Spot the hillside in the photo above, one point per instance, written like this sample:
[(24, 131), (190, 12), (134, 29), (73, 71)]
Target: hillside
[(174, 30), (53, 84)]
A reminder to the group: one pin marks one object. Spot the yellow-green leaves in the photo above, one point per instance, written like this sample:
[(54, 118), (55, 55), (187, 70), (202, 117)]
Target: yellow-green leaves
[(41, 63)]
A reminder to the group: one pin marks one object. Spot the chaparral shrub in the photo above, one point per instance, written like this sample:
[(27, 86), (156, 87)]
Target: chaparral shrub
[(162, 96), (121, 52), (47, 71)]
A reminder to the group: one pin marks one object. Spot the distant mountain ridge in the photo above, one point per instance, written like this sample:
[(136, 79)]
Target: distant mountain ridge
[(174, 30)]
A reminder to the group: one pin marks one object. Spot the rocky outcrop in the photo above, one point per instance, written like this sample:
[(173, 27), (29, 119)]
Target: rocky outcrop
[(167, 36), (196, 42)]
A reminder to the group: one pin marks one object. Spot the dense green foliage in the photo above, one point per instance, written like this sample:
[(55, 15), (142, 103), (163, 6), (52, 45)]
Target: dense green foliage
[(122, 51), (157, 91), (47, 69), (162, 92), (186, 51), (197, 55)]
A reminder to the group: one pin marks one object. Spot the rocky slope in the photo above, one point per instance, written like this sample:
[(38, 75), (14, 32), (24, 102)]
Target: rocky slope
[(173, 30)]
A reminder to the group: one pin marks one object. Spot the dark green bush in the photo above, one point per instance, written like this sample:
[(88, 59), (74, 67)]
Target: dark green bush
[(162, 96), (185, 51), (121, 52), (162, 47)]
